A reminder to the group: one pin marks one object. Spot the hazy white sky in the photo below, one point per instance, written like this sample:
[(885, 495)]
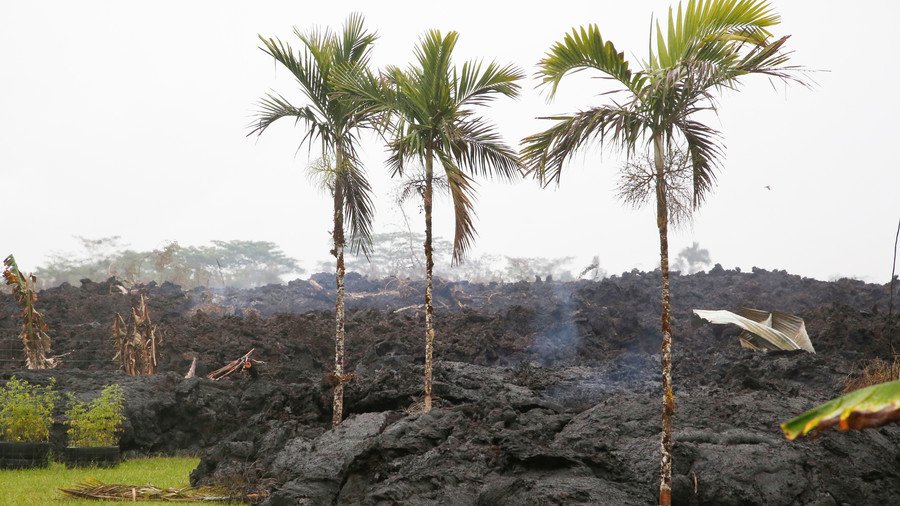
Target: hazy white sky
[(130, 119)]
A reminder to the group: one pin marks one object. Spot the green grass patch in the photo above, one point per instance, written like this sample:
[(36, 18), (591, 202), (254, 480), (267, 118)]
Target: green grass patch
[(32, 487)]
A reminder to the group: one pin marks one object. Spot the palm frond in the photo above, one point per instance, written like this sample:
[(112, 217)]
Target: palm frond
[(359, 208), (430, 75), (544, 154), (305, 68), (367, 94), (584, 48), (320, 50), (475, 85), (273, 107), (355, 43), (462, 193), (768, 60), (478, 147), (701, 23), (702, 145), (405, 145)]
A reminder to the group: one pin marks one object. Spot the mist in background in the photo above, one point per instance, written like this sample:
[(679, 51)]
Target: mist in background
[(130, 120), (248, 264)]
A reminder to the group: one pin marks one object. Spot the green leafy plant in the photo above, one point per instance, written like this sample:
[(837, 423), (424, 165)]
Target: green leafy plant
[(873, 406), (26, 410), (96, 423)]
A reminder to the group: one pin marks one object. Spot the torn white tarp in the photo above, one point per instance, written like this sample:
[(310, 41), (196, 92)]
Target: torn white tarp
[(763, 330)]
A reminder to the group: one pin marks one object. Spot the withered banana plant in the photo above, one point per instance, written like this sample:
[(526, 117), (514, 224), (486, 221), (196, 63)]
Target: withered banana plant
[(34, 330), (136, 344)]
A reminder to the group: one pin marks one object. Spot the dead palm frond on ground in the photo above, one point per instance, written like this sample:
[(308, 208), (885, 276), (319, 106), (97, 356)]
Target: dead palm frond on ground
[(94, 489)]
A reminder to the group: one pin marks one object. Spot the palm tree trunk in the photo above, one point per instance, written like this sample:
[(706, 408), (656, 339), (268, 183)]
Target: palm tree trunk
[(662, 222), (429, 267), (338, 236)]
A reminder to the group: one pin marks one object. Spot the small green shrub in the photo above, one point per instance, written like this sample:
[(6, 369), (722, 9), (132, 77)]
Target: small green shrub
[(26, 410), (96, 423)]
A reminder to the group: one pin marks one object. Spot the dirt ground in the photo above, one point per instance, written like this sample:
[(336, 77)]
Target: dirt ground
[(549, 393)]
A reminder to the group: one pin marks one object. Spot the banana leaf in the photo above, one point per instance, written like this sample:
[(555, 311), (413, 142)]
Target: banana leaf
[(867, 407), (764, 330)]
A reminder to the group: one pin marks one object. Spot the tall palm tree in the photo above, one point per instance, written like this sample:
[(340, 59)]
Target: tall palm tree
[(429, 113), (334, 124), (707, 46)]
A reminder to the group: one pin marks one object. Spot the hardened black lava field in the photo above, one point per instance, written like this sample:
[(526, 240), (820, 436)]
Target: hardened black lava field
[(546, 392)]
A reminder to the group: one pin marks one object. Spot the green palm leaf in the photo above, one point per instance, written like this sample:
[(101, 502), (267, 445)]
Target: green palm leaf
[(477, 86), (705, 152), (584, 48), (462, 193), (705, 29), (477, 146), (359, 207)]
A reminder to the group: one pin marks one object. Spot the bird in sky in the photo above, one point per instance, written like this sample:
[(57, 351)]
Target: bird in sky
[(767, 187)]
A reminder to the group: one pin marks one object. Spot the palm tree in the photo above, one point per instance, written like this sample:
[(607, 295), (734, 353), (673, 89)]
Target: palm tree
[(429, 114), (707, 46), (335, 124)]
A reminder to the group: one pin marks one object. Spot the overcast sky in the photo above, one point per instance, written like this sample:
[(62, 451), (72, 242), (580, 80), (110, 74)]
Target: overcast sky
[(130, 119)]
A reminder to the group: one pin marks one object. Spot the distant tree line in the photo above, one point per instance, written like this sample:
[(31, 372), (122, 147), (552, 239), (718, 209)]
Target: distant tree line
[(400, 254), (238, 264), (245, 264)]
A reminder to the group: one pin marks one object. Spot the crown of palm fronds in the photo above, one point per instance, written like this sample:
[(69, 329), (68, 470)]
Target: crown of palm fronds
[(707, 45), (331, 121), (428, 111)]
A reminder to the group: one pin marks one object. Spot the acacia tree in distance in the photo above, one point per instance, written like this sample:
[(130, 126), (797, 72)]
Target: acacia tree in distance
[(335, 124), (705, 47), (429, 114)]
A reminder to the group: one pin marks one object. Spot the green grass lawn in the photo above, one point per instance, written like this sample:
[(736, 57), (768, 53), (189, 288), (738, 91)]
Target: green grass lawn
[(33, 487)]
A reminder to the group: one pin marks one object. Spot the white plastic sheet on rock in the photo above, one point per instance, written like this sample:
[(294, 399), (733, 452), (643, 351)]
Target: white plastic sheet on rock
[(763, 330)]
